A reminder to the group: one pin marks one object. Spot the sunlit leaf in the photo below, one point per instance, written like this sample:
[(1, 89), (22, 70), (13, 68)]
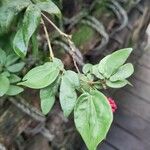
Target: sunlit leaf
[(93, 117), (95, 71), (117, 84), (42, 76), (123, 72), (111, 63)]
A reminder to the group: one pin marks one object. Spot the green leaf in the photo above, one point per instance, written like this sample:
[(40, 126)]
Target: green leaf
[(14, 90), (38, 1), (47, 96), (30, 23), (16, 67), (2, 57), (42, 76), (1, 68), (112, 62), (58, 63), (116, 84), (49, 7), (93, 117), (68, 96), (14, 78), (6, 74), (95, 71), (11, 58), (98, 86), (84, 82), (90, 76), (35, 44), (8, 12), (4, 85), (87, 68), (102, 64), (19, 45), (123, 72)]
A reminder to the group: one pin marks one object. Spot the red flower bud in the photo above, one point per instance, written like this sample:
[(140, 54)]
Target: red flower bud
[(112, 104)]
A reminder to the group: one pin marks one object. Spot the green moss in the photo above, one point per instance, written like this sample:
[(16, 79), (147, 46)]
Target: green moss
[(83, 35), (130, 42)]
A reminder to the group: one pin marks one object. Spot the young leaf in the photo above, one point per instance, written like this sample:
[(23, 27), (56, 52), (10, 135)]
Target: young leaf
[(112, 62), (90, 76), (84, 82), (102, 65), (30, 23), (93, 117), (49, 7), (2, 57), (14, 90), (116, 84), (123, 72), (14, 78), (11, 58), (47, 96), (4, 84), (68, 96), (16, 67), (87, 68), (42, 76), (95, 71)]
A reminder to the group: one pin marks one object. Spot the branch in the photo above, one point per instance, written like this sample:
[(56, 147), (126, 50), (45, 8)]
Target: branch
[(60, 32), (68, 38), (48, 40)]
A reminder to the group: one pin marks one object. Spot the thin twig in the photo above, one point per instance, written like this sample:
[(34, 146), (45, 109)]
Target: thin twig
[(77, 55), (48, 40), (76, 66), (60, 32), (73, 49), (68, 38)]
